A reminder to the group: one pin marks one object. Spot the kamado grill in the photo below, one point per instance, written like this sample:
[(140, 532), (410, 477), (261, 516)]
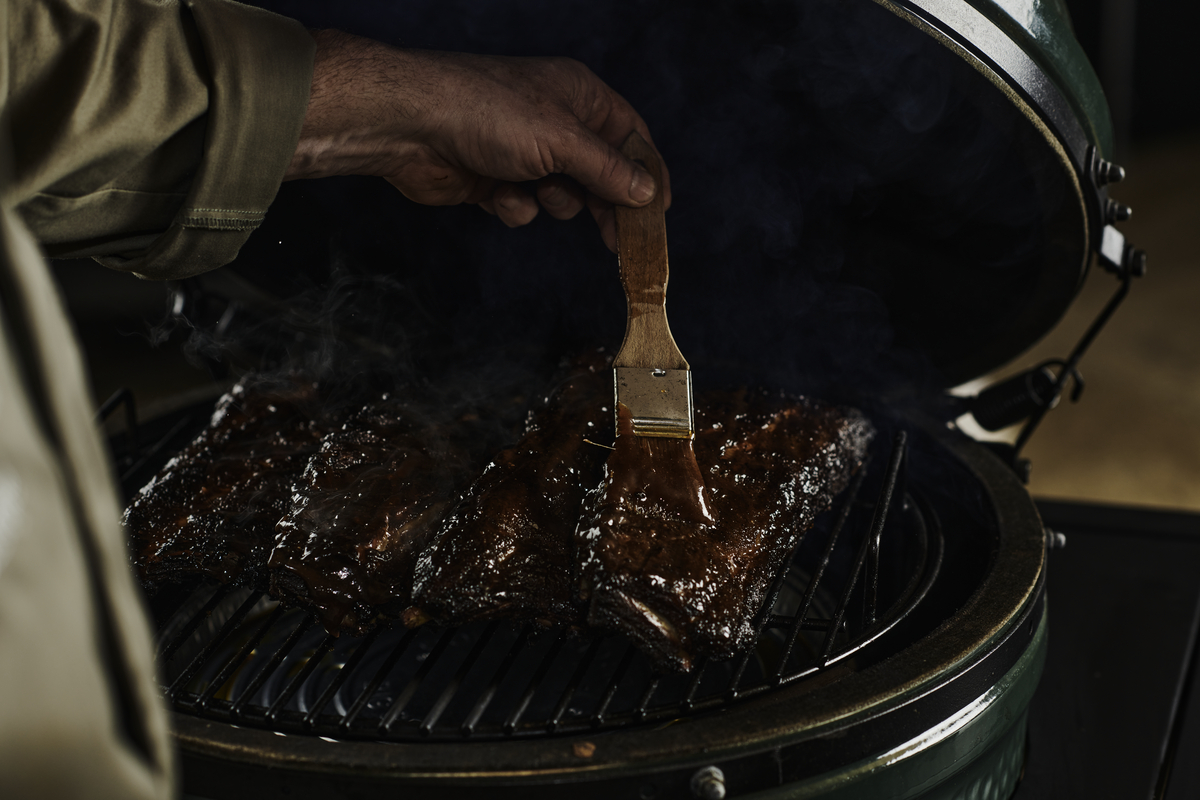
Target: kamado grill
[(854, 657), (897, 652)]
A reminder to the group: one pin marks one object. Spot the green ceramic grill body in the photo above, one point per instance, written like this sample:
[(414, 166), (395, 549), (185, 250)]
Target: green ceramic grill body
[(977, 754), (1042, 29)]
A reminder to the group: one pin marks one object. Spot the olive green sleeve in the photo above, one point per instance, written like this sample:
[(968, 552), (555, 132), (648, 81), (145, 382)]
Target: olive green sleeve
[(151, 134)]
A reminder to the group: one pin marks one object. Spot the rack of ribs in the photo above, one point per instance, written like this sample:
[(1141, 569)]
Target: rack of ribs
[(362, 513), (211, 510), (677, 548), (506, 549), (671, 542)]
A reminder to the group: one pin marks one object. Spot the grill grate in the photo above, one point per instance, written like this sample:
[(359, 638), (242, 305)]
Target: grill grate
[(234, 654)]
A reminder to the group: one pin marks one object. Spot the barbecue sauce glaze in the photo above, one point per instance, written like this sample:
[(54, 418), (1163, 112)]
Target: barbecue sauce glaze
[(675, 545), (362, 513), (678, 545), (506, 549), (212, 509)]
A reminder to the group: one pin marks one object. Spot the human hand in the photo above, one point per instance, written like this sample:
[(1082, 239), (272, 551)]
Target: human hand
[(448, 128)]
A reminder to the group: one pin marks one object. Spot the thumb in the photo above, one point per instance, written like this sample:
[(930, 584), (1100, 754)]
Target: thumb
[(603, 171)]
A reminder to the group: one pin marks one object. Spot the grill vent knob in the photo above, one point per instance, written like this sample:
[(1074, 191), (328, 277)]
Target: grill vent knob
[(709, 784), (1117, 212), (1108, 172)]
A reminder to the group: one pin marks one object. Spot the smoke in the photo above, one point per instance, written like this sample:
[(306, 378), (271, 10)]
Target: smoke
[(829, 163)]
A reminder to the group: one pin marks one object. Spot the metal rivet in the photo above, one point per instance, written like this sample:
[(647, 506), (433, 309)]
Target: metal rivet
[(709, 784)]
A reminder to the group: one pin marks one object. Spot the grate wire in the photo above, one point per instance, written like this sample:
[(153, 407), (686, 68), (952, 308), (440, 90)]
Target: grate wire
[(464, 683)]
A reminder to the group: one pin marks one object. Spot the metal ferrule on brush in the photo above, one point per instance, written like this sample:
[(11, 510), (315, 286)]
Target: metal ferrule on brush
[(659, 400)]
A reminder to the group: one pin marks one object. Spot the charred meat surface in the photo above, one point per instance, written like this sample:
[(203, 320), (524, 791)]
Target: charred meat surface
[(506, 550), (212, 509), (671, 542), (678, 551), (361, 515)]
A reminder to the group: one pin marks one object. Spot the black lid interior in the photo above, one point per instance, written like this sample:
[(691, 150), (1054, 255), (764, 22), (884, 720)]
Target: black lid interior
[(855, 205)]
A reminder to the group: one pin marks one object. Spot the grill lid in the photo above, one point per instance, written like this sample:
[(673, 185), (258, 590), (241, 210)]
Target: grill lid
[(947, 155), (979, 251)]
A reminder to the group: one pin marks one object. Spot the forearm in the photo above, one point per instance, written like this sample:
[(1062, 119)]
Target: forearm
[(350, 123)]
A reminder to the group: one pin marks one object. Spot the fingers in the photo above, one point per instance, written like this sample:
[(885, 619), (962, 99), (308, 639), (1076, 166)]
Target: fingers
[(610, 119), (564, 135), (604, 172), (513, 206), (561, 197)]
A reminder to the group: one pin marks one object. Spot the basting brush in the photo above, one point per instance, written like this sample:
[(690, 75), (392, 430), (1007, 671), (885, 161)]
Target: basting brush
[(652, 378)]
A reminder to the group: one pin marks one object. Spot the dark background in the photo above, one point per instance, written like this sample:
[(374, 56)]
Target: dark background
[(1144, 52)]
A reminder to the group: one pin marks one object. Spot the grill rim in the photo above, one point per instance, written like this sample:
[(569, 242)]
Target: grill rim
[(946, 669)]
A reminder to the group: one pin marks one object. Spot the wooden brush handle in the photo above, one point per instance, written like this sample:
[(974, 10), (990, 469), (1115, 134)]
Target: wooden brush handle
[(642, 254)]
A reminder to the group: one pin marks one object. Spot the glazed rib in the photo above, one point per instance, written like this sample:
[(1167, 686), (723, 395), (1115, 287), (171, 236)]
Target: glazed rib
[(360, 515), (212, 508), (506, 549), (678, 551)]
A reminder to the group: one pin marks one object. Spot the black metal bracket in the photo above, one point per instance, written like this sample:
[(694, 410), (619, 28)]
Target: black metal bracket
[(1030, 394)]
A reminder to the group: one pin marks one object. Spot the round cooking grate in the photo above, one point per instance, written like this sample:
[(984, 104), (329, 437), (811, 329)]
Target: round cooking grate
[(236, 655), (903, 605)]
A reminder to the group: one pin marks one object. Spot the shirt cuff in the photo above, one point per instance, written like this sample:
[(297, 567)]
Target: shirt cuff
[(260, 76)]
